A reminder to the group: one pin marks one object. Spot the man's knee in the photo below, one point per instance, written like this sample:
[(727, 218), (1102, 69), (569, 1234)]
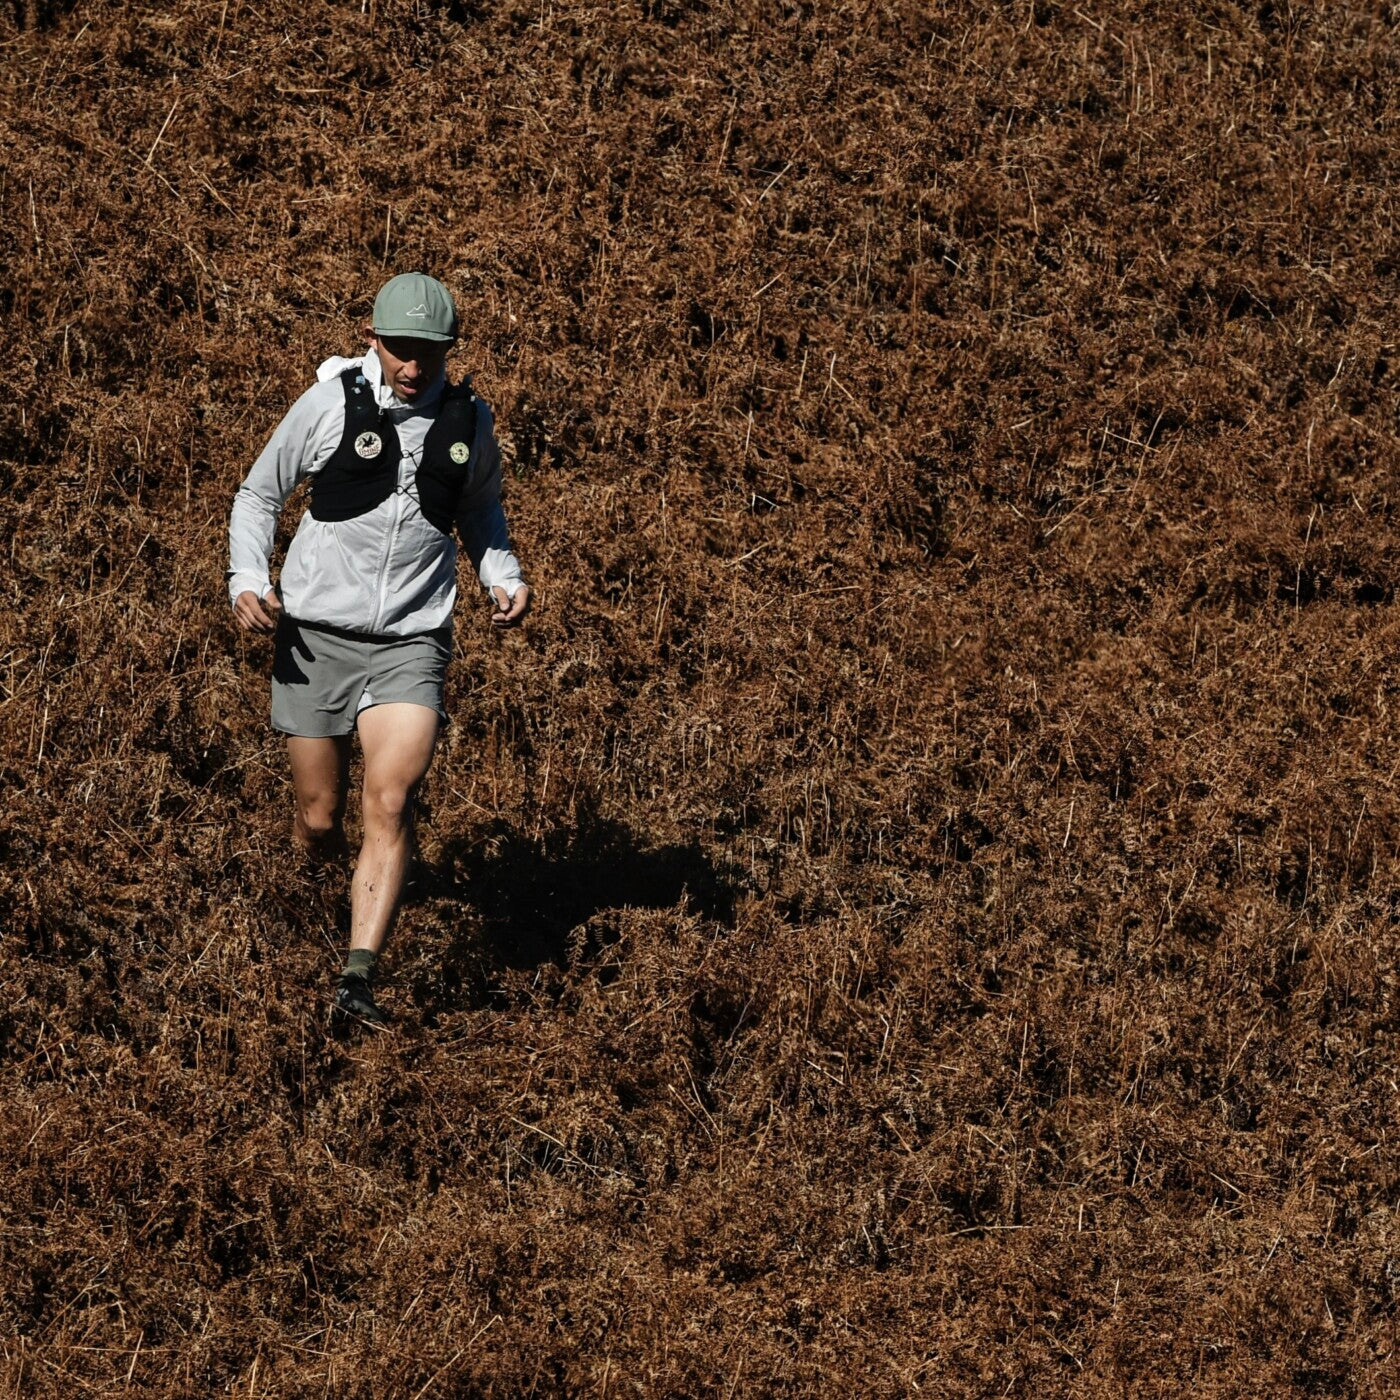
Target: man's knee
[(318, 823), (318, 819), (388, 804)]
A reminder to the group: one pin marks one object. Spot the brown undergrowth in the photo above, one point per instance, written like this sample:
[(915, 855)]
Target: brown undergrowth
[(914, 912)]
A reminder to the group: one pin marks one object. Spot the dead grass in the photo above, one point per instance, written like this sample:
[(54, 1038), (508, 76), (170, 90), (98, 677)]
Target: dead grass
[(914, 912)]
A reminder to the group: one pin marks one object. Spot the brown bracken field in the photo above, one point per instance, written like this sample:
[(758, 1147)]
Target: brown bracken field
[(915, 911)]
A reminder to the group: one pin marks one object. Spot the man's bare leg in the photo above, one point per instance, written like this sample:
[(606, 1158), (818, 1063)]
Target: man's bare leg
[(397, 740), (320, 777)]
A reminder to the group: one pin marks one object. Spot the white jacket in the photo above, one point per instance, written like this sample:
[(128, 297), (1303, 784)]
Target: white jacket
[(388, 571)]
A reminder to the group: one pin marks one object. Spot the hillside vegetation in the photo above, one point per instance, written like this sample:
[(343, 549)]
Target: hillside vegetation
[(914, 911)]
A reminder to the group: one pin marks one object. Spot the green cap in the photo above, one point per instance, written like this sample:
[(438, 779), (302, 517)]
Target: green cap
[(416, 305)]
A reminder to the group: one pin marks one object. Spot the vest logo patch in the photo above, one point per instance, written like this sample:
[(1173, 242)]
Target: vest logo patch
[(459, 452), (368, 445)]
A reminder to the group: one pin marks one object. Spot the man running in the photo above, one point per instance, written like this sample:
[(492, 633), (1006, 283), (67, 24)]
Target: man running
[(396, 458)]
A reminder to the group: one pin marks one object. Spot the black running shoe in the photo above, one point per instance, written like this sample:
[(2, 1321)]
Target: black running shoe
[(355, 1002)]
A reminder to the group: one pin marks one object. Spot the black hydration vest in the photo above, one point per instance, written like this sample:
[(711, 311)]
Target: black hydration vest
[(363, 471)]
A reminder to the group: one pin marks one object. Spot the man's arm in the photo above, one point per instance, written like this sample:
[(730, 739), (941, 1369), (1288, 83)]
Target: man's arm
[(303, 439), (481, 522)]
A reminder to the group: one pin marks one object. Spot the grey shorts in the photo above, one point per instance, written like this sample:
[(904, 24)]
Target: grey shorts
[(322, 677)]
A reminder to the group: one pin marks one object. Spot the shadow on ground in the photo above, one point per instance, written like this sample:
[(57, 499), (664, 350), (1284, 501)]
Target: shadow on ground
[(531, 893)]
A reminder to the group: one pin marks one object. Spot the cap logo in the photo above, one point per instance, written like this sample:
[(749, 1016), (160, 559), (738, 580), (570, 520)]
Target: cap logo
[(420, 311), (459, 452), (367, 445)]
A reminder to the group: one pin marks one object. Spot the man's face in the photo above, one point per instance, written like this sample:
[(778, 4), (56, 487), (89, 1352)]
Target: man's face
[(409, 365)]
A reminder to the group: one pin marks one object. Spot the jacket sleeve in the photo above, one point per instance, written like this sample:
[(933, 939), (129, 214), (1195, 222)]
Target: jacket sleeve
[(302, 443), (481, 520)]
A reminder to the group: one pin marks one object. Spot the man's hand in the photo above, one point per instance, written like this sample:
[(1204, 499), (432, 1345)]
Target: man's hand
[(510, 611), (254, 615)]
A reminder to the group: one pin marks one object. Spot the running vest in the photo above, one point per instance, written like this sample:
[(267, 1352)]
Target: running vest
[(363, 471)]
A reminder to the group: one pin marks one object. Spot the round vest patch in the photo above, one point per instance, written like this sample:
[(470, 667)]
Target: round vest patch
[(368, 445), (459, 452)]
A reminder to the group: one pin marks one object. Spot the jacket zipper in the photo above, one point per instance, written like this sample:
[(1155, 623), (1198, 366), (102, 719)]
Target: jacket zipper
[(399, 494)]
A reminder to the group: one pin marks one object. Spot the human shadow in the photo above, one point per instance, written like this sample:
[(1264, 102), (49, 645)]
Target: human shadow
[(531, 893)]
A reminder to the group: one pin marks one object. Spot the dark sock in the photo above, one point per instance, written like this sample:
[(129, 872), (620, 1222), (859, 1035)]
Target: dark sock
[(360, 963)]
